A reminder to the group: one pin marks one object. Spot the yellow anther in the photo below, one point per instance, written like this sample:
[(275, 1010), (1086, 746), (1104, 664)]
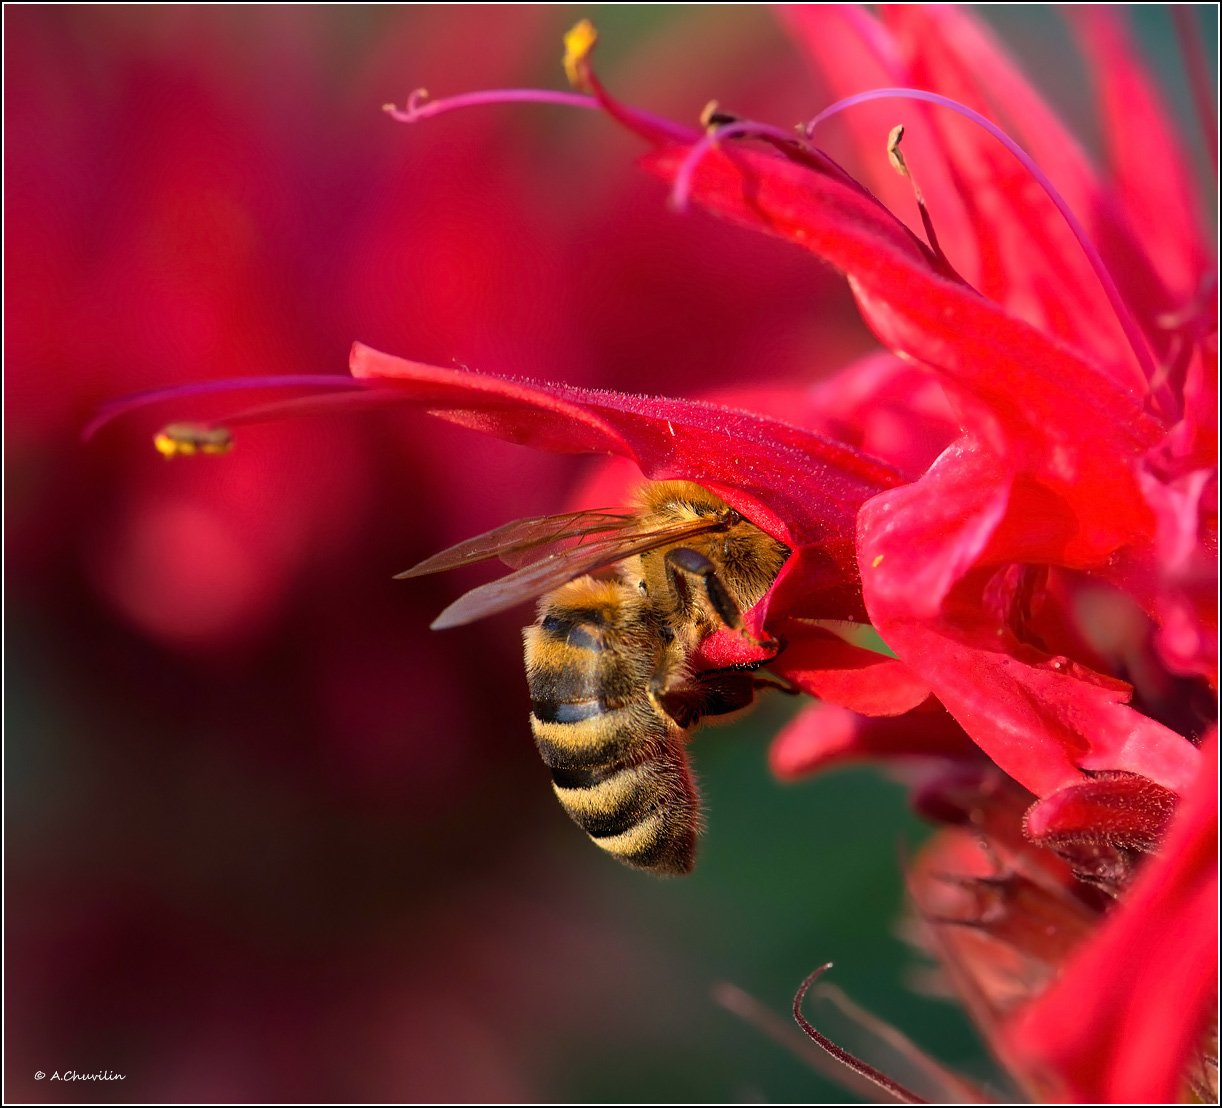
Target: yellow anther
[(184, 439), (713, 117), (894, 155), (577, 46)]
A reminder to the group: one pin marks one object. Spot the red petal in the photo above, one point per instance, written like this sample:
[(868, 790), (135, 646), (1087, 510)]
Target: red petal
[(813, 584), (828, 215), (887, 407), (1042, 726), (1040, 717), (1033, 399), (879, 404), (1184, 568), (1130, 1010), (851, 51), (995, 228), (1122, 810), (837, 672), (824, 735), (1152, 169), (726, 648), (968, 512), (1029, 259), (797, 485), (915, 543)]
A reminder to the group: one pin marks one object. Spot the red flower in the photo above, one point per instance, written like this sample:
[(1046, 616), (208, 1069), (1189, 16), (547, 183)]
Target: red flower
[(1047, 583)]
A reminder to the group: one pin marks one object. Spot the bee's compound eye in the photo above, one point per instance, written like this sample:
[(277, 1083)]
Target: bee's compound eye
[(642, 586)]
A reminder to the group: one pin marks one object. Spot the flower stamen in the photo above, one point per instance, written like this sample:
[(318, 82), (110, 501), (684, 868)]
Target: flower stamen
[(419, 106), (896, 157), (712, 116), (579, 43), (864, 1069), (1128, 323), (950, 1086), (148, 398), (758, 1015)]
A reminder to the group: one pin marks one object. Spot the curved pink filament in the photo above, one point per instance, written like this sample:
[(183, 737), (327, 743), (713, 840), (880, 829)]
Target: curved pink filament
[(894, 1088), (419, 107), (135, 401), (1128, 324)]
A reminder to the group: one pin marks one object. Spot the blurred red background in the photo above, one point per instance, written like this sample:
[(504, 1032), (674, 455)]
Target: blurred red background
[(269, 837)]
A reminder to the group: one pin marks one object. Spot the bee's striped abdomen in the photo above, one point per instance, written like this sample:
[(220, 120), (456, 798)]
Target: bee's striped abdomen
[(644, 814), (617, 769), (577, 716)]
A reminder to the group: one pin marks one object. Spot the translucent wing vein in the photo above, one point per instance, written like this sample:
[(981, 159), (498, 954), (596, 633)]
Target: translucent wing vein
[(555, 568)]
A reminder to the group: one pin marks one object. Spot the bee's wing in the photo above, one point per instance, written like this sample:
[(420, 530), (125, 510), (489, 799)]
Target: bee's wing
[(556, 568), (514, 542)]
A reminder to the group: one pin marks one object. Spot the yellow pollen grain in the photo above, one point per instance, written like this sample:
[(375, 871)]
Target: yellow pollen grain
[(169, 447), (577, 46), (185, 439), (878, 560)]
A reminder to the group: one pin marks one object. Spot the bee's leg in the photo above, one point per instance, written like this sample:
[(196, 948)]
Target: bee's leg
[(715, 692), (695, 581)]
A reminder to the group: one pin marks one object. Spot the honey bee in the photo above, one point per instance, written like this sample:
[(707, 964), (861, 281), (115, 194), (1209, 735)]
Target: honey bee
[(608, 661)]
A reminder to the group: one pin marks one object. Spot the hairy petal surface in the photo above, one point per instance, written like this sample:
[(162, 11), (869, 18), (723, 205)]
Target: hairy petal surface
[(801, 487)]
